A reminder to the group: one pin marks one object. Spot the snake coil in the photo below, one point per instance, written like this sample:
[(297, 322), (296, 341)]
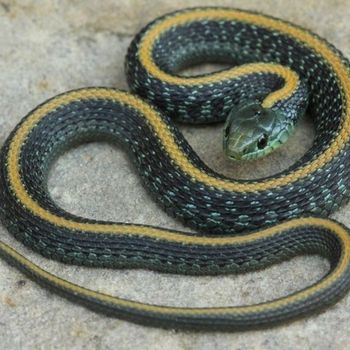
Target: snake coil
[(285, 212)]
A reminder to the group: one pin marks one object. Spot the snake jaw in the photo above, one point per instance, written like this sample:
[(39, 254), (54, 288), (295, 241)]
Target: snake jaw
[(252, 131)]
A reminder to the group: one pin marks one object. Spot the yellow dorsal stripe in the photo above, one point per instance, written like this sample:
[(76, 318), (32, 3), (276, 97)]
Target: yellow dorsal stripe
[(181, 160), (312, 41), (167, 138), (274, 304)]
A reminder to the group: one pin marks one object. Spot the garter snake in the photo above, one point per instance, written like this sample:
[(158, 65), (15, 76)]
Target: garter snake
[(246, 225)]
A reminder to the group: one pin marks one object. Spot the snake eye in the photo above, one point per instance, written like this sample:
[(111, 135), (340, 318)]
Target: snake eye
[(262, 142), (258, 113)]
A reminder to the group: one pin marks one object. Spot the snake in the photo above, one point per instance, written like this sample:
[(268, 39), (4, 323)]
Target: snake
[(277, 72)]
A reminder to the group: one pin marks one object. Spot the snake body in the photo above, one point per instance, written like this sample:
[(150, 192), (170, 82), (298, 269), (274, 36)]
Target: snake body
[(284, 213)]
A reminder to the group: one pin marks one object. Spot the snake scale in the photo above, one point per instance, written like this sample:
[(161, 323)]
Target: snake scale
[(244, 224)]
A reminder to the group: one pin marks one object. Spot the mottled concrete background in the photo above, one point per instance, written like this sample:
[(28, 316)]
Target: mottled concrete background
[(47, 47)]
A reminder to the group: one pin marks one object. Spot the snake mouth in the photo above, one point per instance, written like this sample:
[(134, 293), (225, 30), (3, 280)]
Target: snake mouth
[(240, 157), (258, 153)]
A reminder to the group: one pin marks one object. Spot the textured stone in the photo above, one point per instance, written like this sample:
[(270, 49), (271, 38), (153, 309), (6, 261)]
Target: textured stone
[(48, 47)]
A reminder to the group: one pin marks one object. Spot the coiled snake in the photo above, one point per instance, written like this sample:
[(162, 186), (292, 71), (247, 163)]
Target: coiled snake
[(279, 65)]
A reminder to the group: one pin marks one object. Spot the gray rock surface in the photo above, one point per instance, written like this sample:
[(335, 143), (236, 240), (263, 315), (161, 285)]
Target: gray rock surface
[(51, 46)]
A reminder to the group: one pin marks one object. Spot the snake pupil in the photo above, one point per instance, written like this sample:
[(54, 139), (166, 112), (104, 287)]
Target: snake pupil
[(262, 142)]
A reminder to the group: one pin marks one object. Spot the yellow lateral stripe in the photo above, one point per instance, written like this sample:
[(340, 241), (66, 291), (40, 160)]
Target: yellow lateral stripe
[(278, 303)]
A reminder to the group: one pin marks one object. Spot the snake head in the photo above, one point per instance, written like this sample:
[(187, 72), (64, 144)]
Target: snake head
[(252, 131)]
